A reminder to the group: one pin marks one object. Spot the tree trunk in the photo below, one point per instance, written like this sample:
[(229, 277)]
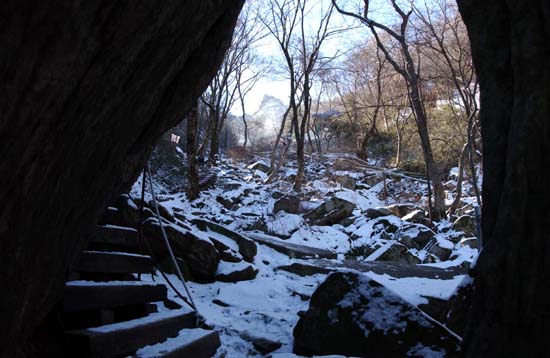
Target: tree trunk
[(279, 135), (510, 312), (458, 195), (437, 209), (86, 88), (193, 174)]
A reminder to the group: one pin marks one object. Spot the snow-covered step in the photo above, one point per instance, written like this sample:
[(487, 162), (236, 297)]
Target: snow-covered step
[(125, 338), (190, 343), (117, 236), (89, 295), (113, 262)]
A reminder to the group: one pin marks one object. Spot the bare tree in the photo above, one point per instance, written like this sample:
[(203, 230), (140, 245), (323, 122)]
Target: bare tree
[(406, 66), (191, 146), (234, 80), (444, 38), (301, 52)]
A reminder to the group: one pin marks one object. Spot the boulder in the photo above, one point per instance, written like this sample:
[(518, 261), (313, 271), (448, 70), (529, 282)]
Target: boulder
[(466, 224), (351, 315), (372, 213), (259, 166), (226, 253), (345, 181), (402, 210), (290, 204), (372, 180), (199, 254), (235, 272), (415, 236), (167, 266), (330, 212), (415, 216), (470, 241), (441, 252), (262, 344), (247, 247), (399, 253)]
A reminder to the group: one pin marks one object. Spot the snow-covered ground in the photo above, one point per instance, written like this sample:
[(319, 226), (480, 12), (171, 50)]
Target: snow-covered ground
[(268, 306)]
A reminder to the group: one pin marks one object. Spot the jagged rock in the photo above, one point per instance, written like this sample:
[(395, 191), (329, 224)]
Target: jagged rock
[(330, 212), (303, 269), (259, 166), (226, 253), (441, 252), (235, 272), (467, 209), (289, 204), (466, 224), (399, 253), (372, 180), (416, 216), (200, 255), (402, 209), (346, 181), (415, 236), (378, 212), (226, 203), (166, 265), (262, 344), (352, 315), (470, 241), (247, 247)]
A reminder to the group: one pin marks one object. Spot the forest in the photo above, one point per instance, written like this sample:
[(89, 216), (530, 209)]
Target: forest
[(274, 178)]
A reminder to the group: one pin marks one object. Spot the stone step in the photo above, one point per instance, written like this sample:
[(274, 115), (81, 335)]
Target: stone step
[(190, 343), (114, 340), (115, 236), (113, 262), (89, 295)]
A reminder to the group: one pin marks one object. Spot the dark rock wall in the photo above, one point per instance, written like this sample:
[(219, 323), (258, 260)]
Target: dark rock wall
[(511, 305), (86, 88)]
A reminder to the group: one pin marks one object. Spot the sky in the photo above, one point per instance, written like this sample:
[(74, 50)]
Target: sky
[(273, 84)]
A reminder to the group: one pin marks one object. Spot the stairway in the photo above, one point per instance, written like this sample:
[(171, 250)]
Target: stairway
[(108, 312)]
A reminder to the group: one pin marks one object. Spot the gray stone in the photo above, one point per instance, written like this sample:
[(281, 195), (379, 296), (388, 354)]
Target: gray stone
[(415, 235), (259, 166), (352, 315), (378, 212), (399, 253), (247, 247), (416, 216), (402, 209), (466, 224), (330, 212), (345, 181), (289, 204), (246, 274), (470, 241), (200, 256)]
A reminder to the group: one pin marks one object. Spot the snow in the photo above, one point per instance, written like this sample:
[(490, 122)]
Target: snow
[(362, 199), (415, 289), (171, 344), (153, 317), (322, 237), (268, 306), (284, 223)]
